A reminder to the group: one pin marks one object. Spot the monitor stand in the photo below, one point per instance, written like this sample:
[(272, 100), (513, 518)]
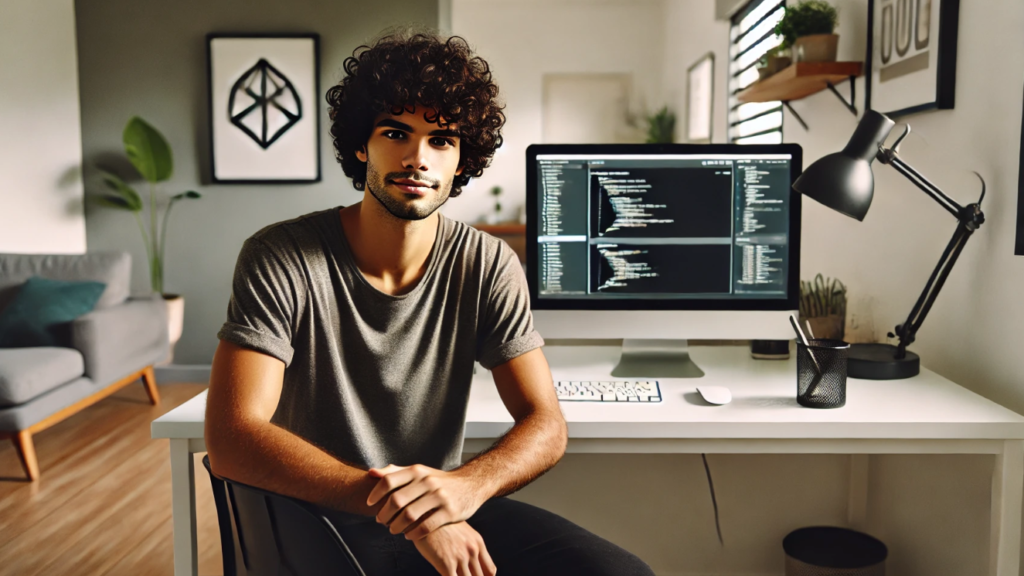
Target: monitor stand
[(656, 359)]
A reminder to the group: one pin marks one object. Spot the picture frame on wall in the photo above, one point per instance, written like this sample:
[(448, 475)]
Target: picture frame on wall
[(264, 121), (700, 92), (911, 55)]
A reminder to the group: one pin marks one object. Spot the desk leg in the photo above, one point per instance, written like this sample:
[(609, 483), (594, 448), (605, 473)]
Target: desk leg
[(183, 509), (1007, 487), (857, 503)]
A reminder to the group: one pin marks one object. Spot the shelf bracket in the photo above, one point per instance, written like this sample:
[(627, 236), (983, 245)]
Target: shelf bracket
[(795, 115), (853, 95)]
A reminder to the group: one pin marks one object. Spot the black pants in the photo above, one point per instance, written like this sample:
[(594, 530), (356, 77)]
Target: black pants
[(523, 540)]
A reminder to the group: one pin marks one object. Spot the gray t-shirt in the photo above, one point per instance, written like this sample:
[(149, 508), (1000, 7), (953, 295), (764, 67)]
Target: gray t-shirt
[(372, 378)]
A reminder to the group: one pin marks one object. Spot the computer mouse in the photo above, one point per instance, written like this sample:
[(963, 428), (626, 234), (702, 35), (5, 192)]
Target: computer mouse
[(715, 394)]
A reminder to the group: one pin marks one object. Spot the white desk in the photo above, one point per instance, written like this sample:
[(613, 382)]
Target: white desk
[(926, 414)]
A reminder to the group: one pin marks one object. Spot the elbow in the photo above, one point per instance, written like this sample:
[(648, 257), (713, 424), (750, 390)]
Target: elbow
[(559, 435), (225, 445)]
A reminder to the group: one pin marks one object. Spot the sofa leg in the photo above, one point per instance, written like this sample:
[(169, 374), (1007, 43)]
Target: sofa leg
[(149, 380), (26, 453)]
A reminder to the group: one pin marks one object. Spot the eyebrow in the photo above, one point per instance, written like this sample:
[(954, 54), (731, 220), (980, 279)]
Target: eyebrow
[(389, 123)]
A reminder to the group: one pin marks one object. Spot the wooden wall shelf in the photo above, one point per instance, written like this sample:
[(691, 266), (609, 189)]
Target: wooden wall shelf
[(799, 80)]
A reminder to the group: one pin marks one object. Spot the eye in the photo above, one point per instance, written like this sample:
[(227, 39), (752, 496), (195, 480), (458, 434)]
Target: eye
[(442, 142), (393, 134)]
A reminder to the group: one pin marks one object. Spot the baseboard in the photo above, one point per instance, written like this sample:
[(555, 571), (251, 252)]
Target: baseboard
[(182, 373)]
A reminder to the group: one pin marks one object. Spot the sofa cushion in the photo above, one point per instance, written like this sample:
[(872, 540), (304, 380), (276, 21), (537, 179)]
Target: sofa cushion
[(111, 268), (41, 313), (28, 372)]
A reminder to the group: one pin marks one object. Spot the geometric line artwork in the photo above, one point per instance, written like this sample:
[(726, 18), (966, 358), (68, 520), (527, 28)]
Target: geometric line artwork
[(264, 104)]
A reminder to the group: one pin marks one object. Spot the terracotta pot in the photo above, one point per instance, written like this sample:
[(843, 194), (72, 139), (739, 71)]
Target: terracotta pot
[(778, 64), (832, 326), (175, 322), (816, 48)]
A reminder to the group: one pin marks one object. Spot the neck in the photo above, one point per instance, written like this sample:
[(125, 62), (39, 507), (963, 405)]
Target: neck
[(390, 252)]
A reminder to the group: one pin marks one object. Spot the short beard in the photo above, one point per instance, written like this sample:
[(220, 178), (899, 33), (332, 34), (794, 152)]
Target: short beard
[(376, 183)]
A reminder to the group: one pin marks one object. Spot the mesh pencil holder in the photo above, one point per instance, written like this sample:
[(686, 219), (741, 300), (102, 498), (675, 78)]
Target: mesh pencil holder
[(831, 551), (828, 390)]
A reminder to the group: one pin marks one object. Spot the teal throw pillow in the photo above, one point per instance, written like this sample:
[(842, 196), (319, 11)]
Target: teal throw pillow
[(41, 313)]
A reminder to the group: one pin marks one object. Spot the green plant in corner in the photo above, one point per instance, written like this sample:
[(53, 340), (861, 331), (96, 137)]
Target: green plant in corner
[(150, 154), (806, 18), (661, 126)]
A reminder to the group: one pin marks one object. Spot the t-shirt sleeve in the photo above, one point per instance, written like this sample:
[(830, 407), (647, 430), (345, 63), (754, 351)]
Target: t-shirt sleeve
[(261, 312), (507, 327)]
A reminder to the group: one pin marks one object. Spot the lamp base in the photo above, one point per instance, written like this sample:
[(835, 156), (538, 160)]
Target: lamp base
[(878, 362)]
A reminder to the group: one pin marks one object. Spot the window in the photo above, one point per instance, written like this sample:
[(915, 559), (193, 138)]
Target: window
[(751, 35)]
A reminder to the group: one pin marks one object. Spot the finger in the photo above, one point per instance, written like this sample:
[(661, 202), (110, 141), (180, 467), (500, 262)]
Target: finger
[(488, 564), (388, 483), (399, 501), (410, 514), (437, 518), (474, 566), (379, 472), (464, 569)]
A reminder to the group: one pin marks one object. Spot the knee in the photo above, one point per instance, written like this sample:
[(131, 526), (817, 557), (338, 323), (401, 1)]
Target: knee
[(598, 557)]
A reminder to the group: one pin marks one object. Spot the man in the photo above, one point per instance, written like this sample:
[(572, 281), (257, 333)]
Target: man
[(343, 373)]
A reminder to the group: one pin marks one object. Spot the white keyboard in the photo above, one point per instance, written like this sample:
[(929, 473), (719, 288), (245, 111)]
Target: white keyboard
[(608, 391)]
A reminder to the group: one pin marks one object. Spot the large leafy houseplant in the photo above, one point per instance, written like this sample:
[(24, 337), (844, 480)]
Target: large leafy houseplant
[(661, 126), (150, 154)]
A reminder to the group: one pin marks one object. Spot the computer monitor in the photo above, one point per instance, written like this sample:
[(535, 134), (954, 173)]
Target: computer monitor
[(660, 243)]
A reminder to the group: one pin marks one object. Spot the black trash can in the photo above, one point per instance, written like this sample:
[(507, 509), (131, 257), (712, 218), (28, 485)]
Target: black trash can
[(831, 551)]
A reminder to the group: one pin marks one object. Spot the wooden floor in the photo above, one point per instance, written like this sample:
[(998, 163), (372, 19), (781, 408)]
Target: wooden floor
[(103, 502)]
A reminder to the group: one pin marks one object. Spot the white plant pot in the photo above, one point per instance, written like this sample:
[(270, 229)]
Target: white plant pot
[(175, 322), (816, 48)]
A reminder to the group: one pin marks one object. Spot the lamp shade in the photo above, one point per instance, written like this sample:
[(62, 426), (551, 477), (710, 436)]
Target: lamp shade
[(843, 180)]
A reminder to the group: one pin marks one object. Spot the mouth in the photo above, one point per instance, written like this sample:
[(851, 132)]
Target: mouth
[(414, 187)]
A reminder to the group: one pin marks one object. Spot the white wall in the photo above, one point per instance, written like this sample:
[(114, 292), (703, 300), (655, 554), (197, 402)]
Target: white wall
[(524, 39), (41, 204)]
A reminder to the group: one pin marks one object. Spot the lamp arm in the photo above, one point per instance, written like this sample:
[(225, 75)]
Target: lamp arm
[(969, 218), (890, 157), (907, 331)]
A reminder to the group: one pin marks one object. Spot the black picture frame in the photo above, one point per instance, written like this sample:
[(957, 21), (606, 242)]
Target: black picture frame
[(944, 97), (1018, 249), (310, 109)]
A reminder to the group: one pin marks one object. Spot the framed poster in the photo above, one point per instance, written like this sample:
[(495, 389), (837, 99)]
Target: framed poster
[(264, 116), (700, 90), (911, 55)]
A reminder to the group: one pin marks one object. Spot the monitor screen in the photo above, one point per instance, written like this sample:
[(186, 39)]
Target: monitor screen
[(663, 226)]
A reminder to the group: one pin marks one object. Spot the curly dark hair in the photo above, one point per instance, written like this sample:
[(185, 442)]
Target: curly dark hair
[(403, 70)]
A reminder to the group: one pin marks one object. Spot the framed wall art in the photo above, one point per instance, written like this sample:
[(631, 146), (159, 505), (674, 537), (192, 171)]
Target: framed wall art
[(911, 55), (264, 96), (700, 91)]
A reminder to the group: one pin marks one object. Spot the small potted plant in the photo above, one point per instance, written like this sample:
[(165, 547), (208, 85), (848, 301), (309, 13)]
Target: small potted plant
[(823, 307), (807, 28), (150, 154), (495, 216), (773, 61)]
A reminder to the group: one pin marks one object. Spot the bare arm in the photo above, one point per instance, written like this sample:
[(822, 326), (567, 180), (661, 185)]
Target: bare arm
[(245, 387), (537, 440)]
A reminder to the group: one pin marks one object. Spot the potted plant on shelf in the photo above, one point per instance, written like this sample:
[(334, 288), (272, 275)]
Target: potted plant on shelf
[(773, 61), (807, 28), (150, 154), (823, 307)]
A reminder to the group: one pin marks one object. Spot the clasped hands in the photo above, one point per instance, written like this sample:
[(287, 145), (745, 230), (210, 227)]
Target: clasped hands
[(430, 507), (420, 499)]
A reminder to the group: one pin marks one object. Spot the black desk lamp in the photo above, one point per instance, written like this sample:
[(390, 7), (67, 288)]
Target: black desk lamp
[(843, 181)]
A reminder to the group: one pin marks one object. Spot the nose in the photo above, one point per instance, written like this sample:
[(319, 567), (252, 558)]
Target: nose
[(417, 155)]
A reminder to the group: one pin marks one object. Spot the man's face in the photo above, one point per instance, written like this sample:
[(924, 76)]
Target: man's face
[(411, 163)]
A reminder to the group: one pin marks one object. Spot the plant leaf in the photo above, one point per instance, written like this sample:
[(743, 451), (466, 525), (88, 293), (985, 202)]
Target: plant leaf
[(130, 196), (112, 201), (148, 150), (189, 194)]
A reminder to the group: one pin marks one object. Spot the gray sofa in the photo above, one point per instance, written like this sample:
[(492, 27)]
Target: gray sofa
[(113, 346)]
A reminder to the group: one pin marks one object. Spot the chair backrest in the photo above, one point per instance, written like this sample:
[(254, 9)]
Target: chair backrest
[(112, 268), (276, 534)]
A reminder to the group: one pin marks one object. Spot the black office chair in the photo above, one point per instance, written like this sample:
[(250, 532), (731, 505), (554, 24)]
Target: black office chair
[(276, 534)]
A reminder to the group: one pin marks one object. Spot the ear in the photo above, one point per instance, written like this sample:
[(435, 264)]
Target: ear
[(458, 171), (361, 154)]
